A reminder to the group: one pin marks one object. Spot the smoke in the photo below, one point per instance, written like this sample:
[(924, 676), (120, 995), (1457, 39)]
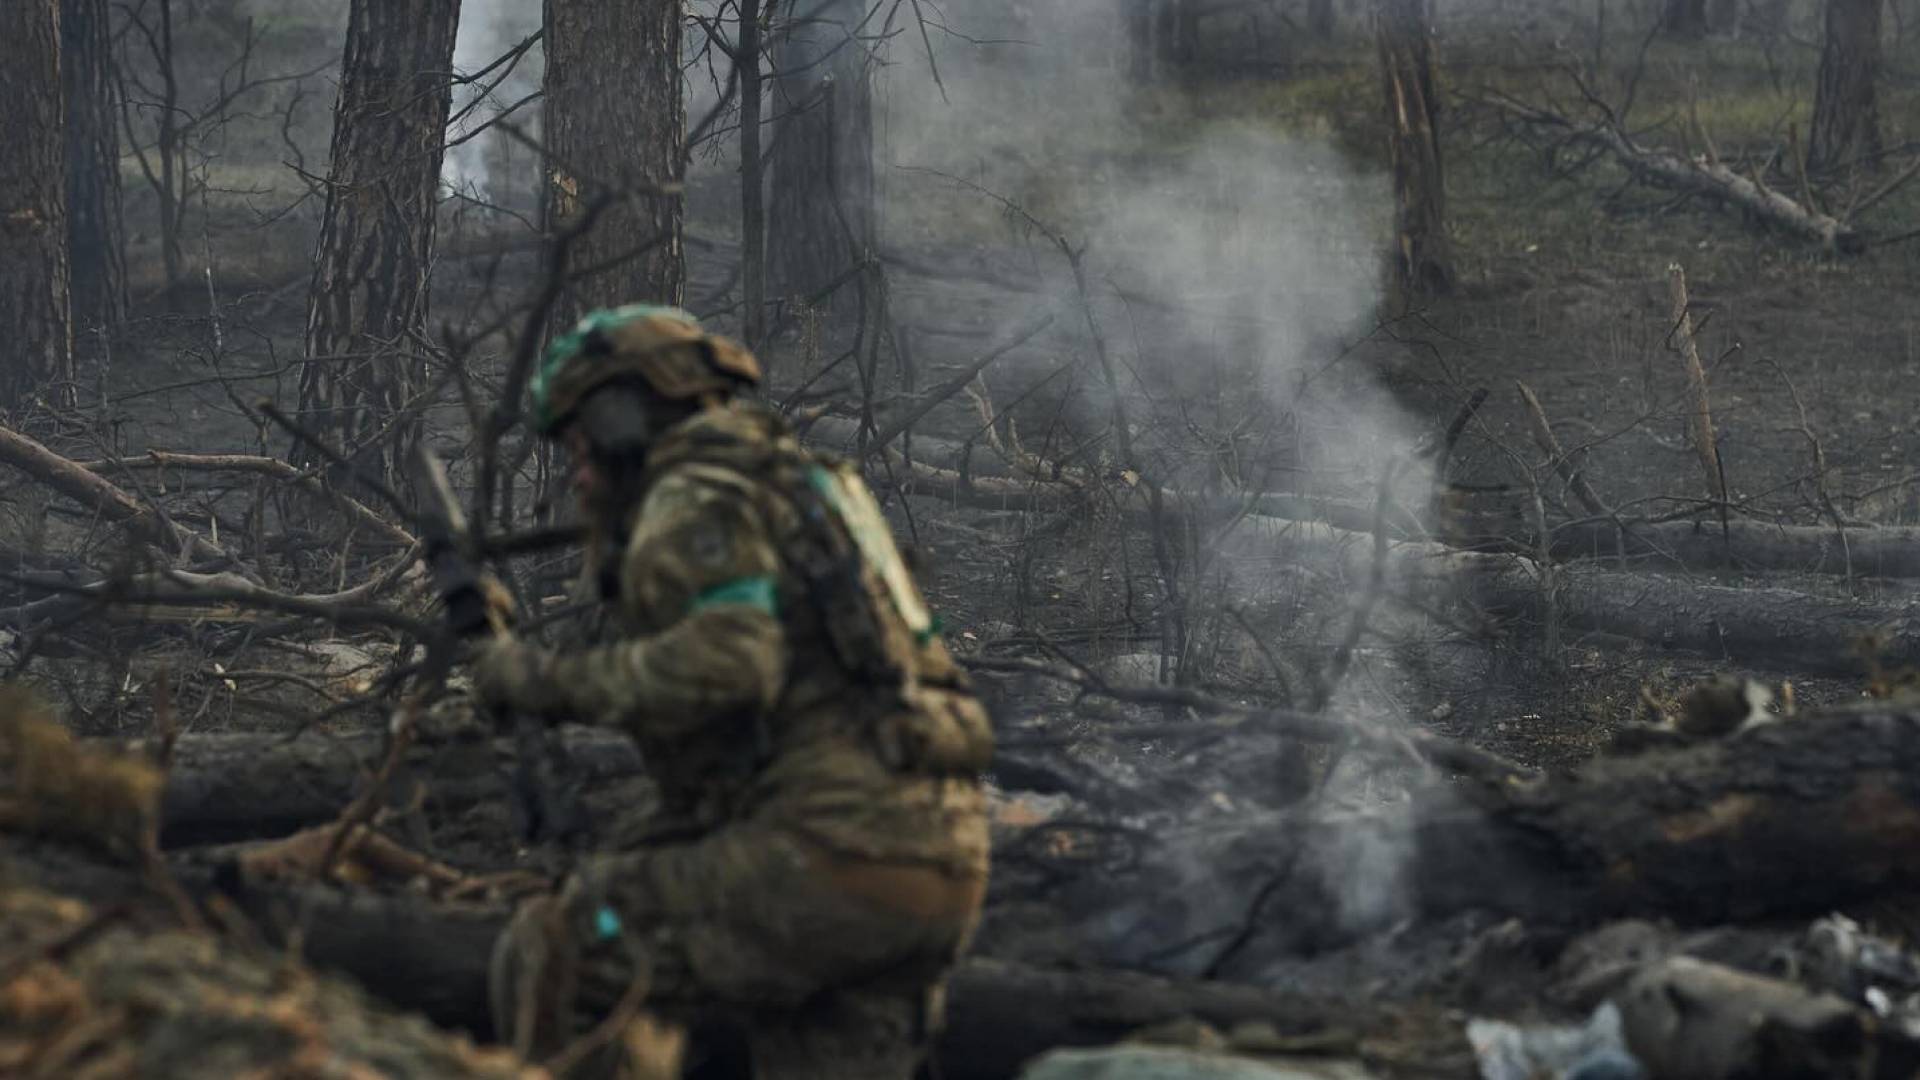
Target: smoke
[(1233, 260), (489, 167)]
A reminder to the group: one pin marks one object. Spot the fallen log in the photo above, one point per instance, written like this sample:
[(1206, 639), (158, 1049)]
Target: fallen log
[(1706, 177), (227, 594), (1751, 624), (1878, 551), (1794, 818), (272, 468), (230, 786), (104, 498), (431, 957), (1791, 817), (1786, 819)]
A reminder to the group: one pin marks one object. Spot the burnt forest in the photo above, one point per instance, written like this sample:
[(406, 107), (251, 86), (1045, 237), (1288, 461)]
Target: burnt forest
[(1428, 491)]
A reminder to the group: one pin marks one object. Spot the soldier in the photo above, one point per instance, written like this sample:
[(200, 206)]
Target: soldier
[(819, 857)]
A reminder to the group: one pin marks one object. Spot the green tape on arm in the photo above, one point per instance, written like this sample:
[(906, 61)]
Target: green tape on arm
[(756, 592)]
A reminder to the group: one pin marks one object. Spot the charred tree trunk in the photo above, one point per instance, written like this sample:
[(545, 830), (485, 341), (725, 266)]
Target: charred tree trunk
[(95, 240), (1422, 259), (753, 189), (1723, 17), (1139, 29), (1320, 19), (1176, 33), (614, 123), (369, 296), (1686, 19), (33, 206), (822, 199), (1846, 116)]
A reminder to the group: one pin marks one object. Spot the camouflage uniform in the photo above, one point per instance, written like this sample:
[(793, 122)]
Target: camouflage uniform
[(821, 850)]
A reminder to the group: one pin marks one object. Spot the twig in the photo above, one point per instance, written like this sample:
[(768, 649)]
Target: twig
[(359, 812), (1336, 670), (953, 386), (1312, 727), (373, 483), (1700, 421)]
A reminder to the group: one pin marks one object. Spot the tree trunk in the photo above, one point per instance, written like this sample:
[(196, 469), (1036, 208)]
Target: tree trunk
[(364, 369), (753, 188), (33, 208), (614, 123), (1138, 16), (1422, 256), (822, 199), (1723, 17), (1686, 19), (1846, 116), (1320, 19), (95, 239)]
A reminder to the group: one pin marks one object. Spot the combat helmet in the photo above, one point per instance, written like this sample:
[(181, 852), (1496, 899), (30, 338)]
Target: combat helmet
[(661, 347)]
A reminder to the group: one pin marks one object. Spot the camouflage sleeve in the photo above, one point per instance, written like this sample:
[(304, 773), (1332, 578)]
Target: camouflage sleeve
[(703, 564)]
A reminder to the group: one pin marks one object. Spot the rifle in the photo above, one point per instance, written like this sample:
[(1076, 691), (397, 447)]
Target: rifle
[(476, 603)]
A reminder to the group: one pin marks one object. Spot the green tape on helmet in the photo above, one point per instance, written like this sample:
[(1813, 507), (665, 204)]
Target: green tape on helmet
[(569, 347)]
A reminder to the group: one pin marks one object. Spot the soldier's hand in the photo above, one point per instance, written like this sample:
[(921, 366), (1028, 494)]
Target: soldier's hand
[(511, 675)]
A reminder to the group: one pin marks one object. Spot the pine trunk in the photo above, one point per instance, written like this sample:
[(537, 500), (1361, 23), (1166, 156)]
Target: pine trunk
[(753, 193), (95, 238), (1685, 19), (614, 123), (1422, 261), (33, 207), (1846, 116), (1139, 29), (822, 193), (364, 368), (1320, 19)]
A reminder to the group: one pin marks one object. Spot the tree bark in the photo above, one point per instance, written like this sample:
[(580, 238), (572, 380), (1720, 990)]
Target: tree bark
[(1422, 256), (1686, 19), (822, 197), (615, 119), (1320, 19), (1138, 16), (33, 207), (364, 370), (748, 51), (96, 241), (1846, 115)]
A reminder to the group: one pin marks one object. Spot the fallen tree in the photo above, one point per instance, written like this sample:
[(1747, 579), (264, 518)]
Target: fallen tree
[(988, 482), (1785, 818), (431, 957), (233, 786), (1705, 176), (1751, 623)]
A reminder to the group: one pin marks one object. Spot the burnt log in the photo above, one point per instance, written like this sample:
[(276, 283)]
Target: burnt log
[(1796, 817), (1706, 177), (431, 957), (230, 787), (1790, 819), (1888, 551)]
